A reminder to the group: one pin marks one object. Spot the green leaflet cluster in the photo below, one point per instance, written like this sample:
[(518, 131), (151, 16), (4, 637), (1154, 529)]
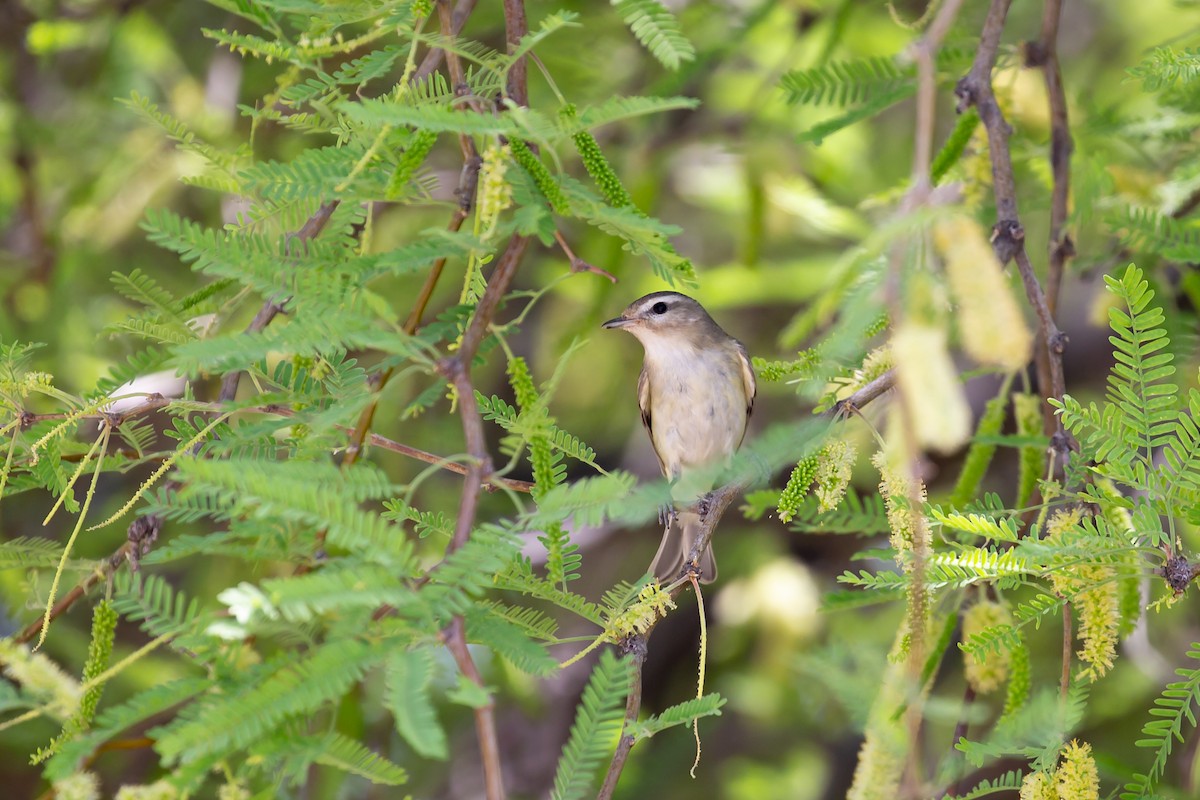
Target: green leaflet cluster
[(344, 589)]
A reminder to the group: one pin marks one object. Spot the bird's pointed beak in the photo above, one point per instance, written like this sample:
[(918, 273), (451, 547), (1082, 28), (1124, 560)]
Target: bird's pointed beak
[(619, 322)]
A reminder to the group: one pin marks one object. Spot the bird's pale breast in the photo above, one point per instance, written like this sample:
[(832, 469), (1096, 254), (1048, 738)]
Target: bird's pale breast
[(698, 403)]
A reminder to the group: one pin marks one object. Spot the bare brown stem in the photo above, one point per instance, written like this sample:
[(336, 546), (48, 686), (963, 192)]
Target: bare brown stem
[(457, 370), (1008, 235), (101, 573), (636, 648), (433, 59), (485, 718)]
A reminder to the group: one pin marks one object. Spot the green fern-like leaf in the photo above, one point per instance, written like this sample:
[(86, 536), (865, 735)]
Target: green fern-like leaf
[(162, 609), (1149, 231), (409, 675), (1171, 709), (335, 750), (598, 721), (1167, 66), (681, 714), (658, 31), (877, 104), (290, 687), (1009, 781), (322, 495), (510, 641), (116, 719), (844, 83)]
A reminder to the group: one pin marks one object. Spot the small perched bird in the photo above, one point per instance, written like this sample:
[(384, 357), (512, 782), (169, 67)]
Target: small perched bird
[(696, 392)]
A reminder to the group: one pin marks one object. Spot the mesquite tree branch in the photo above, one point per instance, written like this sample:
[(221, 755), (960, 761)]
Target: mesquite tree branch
[(457, 369), (1008, 235)]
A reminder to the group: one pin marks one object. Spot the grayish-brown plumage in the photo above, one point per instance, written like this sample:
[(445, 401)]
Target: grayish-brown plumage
[(696, 392)]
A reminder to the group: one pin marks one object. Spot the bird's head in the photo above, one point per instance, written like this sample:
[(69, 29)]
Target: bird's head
[(665, 314)]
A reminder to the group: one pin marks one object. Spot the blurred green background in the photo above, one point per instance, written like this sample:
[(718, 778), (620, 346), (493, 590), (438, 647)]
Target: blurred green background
[(764, 216)]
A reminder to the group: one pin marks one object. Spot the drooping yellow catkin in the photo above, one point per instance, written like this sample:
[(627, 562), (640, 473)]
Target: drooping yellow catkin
[(885, 745), (159, 790), (1077, 776), (233, 791), (1098, 606), (991, 326), (834, 468), (986, 671), (908, 528), (495, 193), (77, 786), (1038, 786), (41, 678), (933, 394)]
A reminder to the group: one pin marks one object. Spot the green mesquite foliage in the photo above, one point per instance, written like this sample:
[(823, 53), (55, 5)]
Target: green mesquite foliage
[(413, 156), (597, 165), (797, 487), (541, 176)]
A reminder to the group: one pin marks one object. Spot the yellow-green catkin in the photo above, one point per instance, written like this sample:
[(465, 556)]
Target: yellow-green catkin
[(934, 402), (1027, 411), (885, 743), (1130, 584), (991, 327), (652, 604), (41, 678), (421, 8), (494, 192), (834, 469), (1076, 776), (908, 528), (1096, 597), (597, 165), (546, 182), (159, 790), (1038, 786), (234, 790), (796, 490), (77, 786), (986, 670), (1019, 680), (104, 627), (419, 145)]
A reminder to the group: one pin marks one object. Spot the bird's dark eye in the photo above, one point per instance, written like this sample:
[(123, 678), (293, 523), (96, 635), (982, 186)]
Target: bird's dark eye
[(659, 308)]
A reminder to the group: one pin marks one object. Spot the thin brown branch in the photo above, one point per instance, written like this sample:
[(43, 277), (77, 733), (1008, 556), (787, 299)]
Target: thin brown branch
[(457, 370), (851, 404), (636, 648), (485, 721), (1043, 53), (577, 263), (515, 28), (1008, 235), (433, 59), (925, 52), (101, 573), (450, 466)]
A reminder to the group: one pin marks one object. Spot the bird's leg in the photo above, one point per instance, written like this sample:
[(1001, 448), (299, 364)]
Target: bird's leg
[(704, 505)]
